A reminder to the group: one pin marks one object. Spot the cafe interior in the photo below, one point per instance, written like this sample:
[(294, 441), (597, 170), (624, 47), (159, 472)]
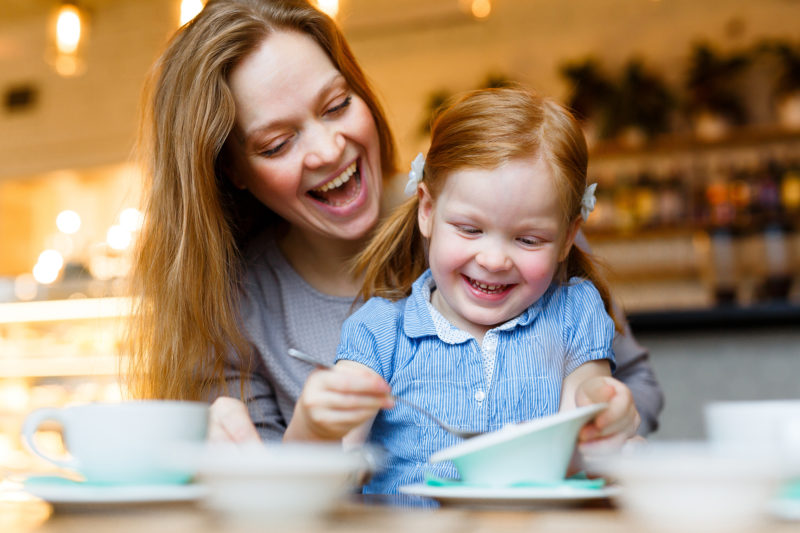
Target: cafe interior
[(691, 110)]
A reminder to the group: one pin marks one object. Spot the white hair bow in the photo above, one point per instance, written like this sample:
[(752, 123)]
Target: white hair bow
[(588, 201), (415, 176)]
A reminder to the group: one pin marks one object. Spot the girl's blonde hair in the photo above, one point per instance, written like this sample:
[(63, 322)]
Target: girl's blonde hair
[(186, 267), (482, 130)]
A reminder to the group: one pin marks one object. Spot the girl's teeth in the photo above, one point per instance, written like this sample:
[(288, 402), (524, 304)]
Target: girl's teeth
[(340, 180), (488, 288)]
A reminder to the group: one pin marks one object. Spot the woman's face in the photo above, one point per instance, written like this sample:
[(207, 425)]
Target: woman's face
[(306, 145)]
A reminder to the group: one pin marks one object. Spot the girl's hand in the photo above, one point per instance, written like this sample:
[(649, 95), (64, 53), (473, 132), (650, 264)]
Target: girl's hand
[(229, 421), (612, 427), (336, 401)]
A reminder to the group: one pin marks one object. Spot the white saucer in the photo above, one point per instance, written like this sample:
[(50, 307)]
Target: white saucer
[(785, 508), (63, 492), (511, 496)]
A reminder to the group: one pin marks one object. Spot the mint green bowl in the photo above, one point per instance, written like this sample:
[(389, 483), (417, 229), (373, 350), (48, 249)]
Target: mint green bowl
[(535, 451)]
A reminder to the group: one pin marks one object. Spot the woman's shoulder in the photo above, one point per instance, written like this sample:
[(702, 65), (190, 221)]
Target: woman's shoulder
[(378, 310)]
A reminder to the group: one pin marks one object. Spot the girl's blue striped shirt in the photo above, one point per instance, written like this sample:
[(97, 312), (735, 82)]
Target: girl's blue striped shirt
[(446, 374)]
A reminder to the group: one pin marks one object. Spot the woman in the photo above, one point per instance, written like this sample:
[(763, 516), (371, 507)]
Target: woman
[(266, 152)]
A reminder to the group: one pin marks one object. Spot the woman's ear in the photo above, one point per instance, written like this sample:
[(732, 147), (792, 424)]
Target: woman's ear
[(425, 210), (569, 238)]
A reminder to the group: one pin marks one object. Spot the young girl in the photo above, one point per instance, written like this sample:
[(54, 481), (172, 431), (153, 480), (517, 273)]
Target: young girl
[(484, 312)]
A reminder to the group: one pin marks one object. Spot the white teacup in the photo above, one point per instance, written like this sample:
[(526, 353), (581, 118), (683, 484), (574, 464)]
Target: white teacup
[(123, 443), (767, 424)]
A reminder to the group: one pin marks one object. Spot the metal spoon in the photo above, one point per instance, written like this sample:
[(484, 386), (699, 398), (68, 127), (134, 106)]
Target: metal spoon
[(297, 354)]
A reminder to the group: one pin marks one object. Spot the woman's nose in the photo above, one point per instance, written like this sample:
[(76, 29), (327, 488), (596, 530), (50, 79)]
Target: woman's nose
[(324, 145)]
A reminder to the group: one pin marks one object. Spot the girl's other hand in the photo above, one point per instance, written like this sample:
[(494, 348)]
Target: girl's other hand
[(336, 401), (229, 421), (613, 426)]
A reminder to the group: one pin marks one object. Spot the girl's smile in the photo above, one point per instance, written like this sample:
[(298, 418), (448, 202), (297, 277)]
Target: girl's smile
[(496, 238)]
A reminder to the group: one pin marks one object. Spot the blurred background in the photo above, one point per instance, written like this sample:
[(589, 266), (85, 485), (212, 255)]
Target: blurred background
[(691, 108)]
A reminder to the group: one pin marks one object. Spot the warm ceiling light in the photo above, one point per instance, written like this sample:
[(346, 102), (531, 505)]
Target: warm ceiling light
[(118, 237), (190, 9), (68, 222), (131, 219), (329, 7), (481, 8), (68, 29)]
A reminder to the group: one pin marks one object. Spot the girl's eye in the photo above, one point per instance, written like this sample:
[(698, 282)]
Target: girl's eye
[(341, 106), (529, 241), (469, 230)]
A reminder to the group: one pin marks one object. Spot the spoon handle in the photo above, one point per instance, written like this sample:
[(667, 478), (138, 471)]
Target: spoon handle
[(310, 359)]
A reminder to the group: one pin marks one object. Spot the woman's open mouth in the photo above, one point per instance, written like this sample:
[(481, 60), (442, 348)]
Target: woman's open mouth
[(341, 190)]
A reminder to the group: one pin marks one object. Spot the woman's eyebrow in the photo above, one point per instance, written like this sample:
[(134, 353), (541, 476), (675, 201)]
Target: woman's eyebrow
[(336, 79)]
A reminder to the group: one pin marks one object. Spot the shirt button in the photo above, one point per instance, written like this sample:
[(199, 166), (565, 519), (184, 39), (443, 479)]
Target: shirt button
[(479, 396)]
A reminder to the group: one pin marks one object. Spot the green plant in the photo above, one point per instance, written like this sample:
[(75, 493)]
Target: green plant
[(641, 99), (435, 100), (439, 97), (711, 81), (591, 91), (638, 98), (789, 77)]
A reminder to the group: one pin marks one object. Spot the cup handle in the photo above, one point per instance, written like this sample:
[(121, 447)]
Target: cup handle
[(32, 423)]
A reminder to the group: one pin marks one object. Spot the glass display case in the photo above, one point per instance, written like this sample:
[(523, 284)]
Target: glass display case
[(54, 353)]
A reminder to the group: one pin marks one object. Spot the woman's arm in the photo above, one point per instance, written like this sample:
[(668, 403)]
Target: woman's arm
[(229, 421), (246, 400)]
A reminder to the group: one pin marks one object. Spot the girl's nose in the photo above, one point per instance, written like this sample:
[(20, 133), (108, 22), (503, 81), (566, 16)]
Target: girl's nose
[(324, 145), (493, 259)]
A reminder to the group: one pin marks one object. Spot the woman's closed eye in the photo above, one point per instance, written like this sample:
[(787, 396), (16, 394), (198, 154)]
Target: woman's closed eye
[(276, 147)]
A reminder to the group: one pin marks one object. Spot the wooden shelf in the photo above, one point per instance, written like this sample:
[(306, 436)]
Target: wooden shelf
[(670, 144)]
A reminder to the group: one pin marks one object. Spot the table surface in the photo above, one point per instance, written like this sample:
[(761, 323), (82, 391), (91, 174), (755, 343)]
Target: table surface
[(27, 514)]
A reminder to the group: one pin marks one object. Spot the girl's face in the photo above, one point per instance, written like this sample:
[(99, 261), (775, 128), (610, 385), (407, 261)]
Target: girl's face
[(496, 238), (305, 145)]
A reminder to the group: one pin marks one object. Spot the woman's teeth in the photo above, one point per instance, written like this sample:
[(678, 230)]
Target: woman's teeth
[(340, 180)]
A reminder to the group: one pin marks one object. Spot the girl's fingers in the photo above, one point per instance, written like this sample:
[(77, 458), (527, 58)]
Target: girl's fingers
[(621, 416), (602, 446), (624, 421), (351, 381), (347, 402)]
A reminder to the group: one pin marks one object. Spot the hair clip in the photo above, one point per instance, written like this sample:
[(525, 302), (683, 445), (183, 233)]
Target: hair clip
[(588, 201), (415, 176)]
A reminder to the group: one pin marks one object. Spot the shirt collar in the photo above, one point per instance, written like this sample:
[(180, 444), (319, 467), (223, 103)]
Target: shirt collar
[(417, 321)]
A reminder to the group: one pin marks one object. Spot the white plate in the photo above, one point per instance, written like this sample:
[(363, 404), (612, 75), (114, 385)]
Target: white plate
[(511, 496), (63, 492)]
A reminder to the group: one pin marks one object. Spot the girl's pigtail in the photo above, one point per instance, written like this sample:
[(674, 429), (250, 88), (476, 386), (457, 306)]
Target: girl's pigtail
[(583, 265), (394, 257)]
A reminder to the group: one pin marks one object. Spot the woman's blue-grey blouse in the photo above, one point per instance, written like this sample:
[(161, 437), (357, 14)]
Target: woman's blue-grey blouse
[(516, 375)]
